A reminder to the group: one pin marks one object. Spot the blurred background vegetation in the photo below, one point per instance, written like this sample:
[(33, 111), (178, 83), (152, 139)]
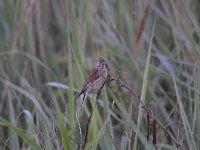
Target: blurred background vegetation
[(45, 41)]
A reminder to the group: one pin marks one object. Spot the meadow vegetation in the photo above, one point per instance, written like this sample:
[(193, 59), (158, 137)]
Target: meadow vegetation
[(47, 48)]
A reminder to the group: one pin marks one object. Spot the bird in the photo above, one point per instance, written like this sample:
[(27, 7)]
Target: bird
[(95, 80)]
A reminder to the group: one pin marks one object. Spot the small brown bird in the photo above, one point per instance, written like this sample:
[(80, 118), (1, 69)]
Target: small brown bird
[(95, 79)]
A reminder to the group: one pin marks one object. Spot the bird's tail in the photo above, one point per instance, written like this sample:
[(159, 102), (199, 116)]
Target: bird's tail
[(84, 98)]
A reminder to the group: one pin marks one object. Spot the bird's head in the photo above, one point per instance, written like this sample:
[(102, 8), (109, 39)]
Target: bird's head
[(100, 63)]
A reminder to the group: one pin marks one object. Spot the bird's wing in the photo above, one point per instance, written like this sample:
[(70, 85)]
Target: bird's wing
[(94, 75)]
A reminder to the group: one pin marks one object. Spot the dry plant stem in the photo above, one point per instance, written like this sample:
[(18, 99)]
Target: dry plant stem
[(86, 133), (147, 110), (99, 92), (148, 127), (179, 145), (154, 132), (82, 145), (130, 133)]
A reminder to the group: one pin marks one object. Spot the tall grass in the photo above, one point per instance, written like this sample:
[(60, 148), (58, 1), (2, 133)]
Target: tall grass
[(58, 41)]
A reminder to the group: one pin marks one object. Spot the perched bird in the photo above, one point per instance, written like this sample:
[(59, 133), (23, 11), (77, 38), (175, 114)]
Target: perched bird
[(95, 79)]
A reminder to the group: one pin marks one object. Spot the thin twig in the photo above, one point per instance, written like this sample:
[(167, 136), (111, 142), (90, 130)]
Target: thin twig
[(154, 132), (148, 127), (168, 133), (99, 91), (147, 110), (87, 127), (86, 132), (123, 84)]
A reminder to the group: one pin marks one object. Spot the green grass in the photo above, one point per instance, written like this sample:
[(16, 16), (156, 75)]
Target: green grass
[(58, 41)]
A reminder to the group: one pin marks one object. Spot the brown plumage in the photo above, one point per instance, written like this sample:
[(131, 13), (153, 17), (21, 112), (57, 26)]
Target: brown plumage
[(95, 79)]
